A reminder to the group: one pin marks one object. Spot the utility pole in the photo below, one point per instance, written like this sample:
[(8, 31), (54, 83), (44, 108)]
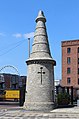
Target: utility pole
[(29, 47)]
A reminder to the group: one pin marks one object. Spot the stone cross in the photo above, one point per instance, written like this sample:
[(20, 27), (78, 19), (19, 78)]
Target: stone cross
[(41, 72)]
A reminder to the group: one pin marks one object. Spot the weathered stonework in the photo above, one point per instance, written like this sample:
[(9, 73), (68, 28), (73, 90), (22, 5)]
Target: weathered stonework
[(40, 76)]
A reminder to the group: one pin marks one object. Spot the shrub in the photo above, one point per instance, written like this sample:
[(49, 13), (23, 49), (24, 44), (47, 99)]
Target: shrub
[(63, 98)]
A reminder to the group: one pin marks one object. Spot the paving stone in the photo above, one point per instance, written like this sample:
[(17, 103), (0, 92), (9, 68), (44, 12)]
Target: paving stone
[(55, 114)]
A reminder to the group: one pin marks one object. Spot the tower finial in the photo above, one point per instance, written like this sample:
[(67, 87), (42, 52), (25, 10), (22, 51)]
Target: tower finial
[(41, 17)]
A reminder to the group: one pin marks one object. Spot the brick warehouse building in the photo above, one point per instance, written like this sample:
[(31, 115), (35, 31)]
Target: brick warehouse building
[(70, 64), (11, 81)]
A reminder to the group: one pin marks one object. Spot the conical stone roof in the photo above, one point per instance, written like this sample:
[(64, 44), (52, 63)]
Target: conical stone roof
[(40, 47)]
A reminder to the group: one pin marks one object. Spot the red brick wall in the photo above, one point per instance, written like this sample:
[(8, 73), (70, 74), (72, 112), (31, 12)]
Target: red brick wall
[(74, 55), (7, 81)]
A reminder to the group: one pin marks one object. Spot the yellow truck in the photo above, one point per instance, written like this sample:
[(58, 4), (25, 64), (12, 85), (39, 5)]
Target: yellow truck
[(10, 94)]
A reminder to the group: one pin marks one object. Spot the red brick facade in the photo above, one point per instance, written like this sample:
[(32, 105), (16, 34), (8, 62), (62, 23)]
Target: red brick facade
[(12, 81), (70, 63)]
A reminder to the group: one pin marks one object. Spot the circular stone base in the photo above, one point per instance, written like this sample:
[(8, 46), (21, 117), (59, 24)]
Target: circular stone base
[(39, 106)]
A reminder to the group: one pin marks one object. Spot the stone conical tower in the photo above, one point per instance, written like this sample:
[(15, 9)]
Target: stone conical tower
[(40, 76)]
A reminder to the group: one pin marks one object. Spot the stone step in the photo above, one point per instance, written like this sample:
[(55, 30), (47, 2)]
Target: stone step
[(37, 115)]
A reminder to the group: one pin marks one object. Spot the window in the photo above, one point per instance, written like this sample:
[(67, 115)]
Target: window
[(78, 49), (68, 60), (68, 80), (78, 81), (68, 70), (68, 50), (78, 70), (78, 60)]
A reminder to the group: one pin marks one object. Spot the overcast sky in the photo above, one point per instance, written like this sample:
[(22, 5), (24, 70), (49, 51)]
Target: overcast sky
[(17, 23)]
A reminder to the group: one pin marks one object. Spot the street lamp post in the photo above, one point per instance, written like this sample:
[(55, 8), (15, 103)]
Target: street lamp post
[(29, 47)]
